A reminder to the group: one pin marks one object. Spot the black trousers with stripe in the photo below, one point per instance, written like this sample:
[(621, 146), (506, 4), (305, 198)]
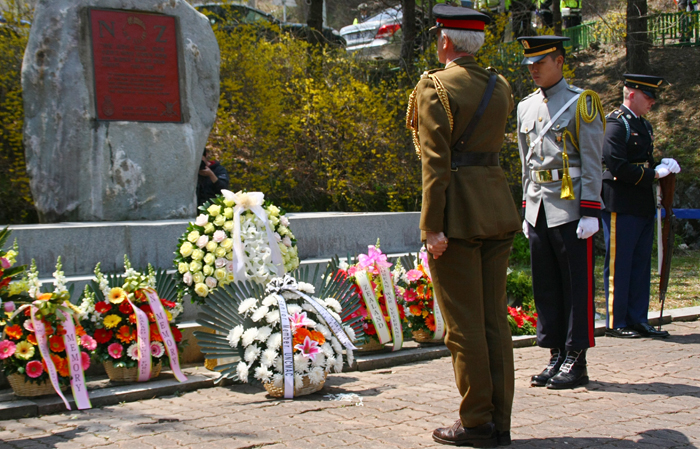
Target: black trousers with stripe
[(628, 243), (563, 284)]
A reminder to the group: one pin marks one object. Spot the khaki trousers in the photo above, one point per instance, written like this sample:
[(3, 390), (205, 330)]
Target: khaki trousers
[(470, 286)]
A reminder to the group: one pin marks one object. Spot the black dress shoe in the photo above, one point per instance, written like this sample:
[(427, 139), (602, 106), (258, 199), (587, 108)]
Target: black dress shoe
[(503, 437), (646, 330), (555, 361), (457, 435), (622, 332), (573, 372)]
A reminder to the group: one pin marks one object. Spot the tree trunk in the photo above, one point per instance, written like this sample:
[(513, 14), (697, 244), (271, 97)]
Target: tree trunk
[(408, 27), (556, 17), (637, 39), (315, 22)]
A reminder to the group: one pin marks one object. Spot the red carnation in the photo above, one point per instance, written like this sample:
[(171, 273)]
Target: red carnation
[(103, 335)]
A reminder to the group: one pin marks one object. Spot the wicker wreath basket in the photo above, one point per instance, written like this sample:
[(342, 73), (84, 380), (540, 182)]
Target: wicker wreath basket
[(306, 388), (371, 345), (424, 336), (23, 388), (128, 374)]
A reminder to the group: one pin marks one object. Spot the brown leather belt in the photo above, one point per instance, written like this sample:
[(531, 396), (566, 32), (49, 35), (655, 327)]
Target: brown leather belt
[(474, 158)]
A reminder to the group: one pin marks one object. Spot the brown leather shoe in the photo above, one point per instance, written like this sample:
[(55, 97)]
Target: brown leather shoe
[(479, 436)]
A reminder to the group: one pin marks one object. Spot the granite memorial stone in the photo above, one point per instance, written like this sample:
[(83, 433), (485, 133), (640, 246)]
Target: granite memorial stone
[(119, 99)]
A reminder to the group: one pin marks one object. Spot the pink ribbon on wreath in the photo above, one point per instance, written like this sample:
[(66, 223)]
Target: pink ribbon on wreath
[(164, 327), (75, 364), (40, 332), (143, 337)]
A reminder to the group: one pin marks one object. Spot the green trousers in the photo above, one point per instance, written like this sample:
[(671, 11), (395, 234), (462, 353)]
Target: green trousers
[(470, 286)]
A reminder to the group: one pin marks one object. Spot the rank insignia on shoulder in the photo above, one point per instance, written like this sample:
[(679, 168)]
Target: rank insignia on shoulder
[(629, 117)]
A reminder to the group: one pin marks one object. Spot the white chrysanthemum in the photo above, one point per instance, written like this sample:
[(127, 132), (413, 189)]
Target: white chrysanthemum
[(251, 354), (247, 305), (268, 357), (278, 380), (327, 349), (293, 308), (298, 381), (336, 345), (248, 336), (330, 362), (242, 372), (320, 360), (269, 300), (301, 363), (263, 333), (263, 374), (274, 341), (350, 356), (338, 365), (324, 330), (351, 333), (306, 288), (308, 307), (333, 304), (279, 364), (317, 375), (273, 317), (260, 313), (234, 336)]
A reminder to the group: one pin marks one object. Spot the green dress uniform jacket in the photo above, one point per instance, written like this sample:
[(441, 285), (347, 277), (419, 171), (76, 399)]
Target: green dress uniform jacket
[(534, 112), (474, 201)]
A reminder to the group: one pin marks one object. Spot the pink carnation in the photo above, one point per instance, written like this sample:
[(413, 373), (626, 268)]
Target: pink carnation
[(115, 350), (34, 369), (88, 342), (7, 349)]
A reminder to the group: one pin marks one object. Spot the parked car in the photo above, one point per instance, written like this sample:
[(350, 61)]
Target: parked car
[(378, 37), (232, 15)]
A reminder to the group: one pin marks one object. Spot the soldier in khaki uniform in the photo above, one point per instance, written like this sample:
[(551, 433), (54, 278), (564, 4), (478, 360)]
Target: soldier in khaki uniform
[(560, 135), (468, 221)]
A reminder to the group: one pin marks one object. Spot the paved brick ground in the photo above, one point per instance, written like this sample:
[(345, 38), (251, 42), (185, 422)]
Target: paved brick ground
[(644, 394)]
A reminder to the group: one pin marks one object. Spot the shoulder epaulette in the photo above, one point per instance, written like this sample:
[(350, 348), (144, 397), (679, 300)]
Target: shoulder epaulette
[(534, 93), (427, 73), (615, 114), (573, 88)]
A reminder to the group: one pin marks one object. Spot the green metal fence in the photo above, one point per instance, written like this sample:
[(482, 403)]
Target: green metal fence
[(678, 29), (667, 29)]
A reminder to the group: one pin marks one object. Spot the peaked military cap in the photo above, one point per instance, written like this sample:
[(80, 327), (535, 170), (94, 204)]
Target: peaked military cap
[(537, 47), (646, 83), (458, 18)]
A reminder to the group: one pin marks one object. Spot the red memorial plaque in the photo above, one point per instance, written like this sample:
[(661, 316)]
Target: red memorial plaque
[(136, 66)]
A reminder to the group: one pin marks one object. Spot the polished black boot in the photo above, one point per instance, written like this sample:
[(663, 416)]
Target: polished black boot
[(557, 358), (572, 373)]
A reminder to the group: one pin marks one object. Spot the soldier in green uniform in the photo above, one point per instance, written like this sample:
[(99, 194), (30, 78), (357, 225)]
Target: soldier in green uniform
[(560, 135), (468, 220)]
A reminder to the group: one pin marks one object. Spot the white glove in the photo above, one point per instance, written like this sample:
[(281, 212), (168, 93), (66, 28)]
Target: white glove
[(587, 226), (662, 171), (526, 229), (671, 164)]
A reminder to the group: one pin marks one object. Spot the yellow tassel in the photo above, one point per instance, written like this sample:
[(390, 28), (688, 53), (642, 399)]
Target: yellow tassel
[(567, 185)]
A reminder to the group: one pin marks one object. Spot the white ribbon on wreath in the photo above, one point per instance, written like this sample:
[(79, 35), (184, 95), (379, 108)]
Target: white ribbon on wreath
[(253, 202)]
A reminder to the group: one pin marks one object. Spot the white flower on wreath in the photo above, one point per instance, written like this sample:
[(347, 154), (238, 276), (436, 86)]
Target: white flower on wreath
[(234, 336), (268, 357), (298, 381), (259, 314), (274, 341), (248, 336), (263, 374), (317, 375), (301, 363), (278, 380), (332, 303), (273, 317), (242, 372), (251, 353), (202, 219), (269, 300), (263, 333), (307, 288), (284, 221), (246, 305)]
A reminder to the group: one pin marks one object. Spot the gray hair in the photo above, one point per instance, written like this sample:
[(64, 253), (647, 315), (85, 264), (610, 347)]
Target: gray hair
[(464, 40)]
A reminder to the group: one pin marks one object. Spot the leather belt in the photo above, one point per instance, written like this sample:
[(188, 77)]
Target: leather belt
[(546, 176), (474, 158)]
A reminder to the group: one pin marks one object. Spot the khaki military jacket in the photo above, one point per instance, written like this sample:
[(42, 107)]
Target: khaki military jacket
[(534, 112), (475, 201)]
